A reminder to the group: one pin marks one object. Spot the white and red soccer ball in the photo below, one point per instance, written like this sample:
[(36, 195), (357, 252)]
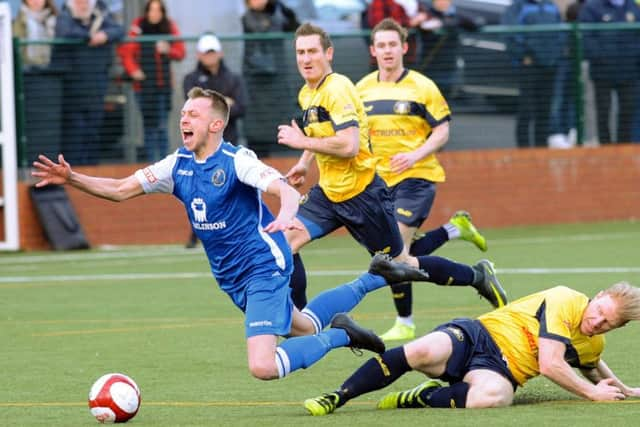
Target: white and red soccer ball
[(114, 398)]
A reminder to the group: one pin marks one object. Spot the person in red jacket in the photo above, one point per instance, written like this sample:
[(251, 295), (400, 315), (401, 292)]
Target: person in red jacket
[(408, 13), (149, 65)]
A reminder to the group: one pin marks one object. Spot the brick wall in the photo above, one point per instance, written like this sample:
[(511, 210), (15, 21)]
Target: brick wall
[(499, 187)]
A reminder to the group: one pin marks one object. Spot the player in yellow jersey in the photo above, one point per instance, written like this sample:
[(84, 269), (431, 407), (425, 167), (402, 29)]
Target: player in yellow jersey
[(408, 123), (484, 360), (334, 131)]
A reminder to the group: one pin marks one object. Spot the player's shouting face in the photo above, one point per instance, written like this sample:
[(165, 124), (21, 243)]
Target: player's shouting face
[(313, 61)]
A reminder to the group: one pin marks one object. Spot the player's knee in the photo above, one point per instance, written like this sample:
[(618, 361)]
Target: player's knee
[(263, 369), (488, 397)]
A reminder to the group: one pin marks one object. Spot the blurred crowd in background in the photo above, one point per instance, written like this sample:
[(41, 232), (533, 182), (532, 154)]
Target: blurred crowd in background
[(116, 73)]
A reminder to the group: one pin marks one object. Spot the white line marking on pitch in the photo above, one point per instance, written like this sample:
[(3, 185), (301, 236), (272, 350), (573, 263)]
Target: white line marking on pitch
[(323, 273)]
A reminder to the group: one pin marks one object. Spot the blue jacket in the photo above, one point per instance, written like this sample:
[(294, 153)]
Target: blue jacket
[(613, 55), (544, 48)]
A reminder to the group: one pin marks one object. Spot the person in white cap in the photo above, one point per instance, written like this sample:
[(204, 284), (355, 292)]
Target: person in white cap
[(212, 73)]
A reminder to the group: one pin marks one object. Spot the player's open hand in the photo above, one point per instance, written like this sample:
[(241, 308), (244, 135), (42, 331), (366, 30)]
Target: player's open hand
[(291, 136), (632, 391), (296, 175), (282, 224), (50, 172), (403, 161), (607, 390)]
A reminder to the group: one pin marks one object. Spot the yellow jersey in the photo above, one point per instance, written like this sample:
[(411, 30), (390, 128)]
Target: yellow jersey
[(556, 314), (332, 106), (401, 115)]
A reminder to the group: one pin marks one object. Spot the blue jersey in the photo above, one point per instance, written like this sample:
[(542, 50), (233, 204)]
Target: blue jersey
[(222, 197)]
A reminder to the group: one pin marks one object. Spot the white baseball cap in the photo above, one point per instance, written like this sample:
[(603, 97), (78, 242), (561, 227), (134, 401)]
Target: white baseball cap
[(209, 42)]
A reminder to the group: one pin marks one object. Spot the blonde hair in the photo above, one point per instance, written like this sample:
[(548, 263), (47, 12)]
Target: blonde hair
[(218, 101), (308, 29), (628, 298)]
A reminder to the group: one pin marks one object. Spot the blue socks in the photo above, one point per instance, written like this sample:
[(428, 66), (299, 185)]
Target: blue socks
[(341, 299), (302, 352)]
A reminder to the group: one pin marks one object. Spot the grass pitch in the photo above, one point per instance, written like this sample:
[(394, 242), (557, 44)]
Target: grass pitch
[(156, 314)]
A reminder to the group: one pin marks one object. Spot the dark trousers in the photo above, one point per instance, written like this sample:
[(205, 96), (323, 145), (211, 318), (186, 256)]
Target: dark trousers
[(534, 109), (626, 106)]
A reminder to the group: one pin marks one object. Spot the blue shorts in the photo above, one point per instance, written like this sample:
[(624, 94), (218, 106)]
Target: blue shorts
[(368, 217), (413, 199), (473, 348), (266, 303)]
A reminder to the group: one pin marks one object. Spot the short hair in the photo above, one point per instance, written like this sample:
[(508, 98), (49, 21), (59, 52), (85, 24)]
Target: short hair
[(308, 29), (628, 299), (218, 101), (390, 24)]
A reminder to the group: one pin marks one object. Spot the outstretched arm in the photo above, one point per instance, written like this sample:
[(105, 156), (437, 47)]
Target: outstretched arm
[(602, 371), (553, 366), (289, 202), (61, 173)]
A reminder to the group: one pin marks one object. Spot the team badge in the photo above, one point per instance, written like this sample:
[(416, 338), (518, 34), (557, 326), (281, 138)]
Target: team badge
[(218, 178), (401, 107), (312, 115)]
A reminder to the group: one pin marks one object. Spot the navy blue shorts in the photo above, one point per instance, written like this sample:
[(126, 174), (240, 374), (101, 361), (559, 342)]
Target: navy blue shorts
[(413, 199), (473, 348), (368, 217)]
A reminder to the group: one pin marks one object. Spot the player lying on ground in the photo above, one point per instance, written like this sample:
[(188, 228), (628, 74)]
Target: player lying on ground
[(486, 359), (220, 186)]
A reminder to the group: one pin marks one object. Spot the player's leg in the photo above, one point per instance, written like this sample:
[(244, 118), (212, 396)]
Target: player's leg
[(488, 389), (300, 352), (458, 227), (297, 238), (316, 218), (413, 199), (380, 371), (474, 368), (404, 327)]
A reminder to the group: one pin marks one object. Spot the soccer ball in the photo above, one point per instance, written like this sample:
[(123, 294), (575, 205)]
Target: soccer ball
[(114, 398)]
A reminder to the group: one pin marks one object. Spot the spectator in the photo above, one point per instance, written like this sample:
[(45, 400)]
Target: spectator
[(563, 111), (536, 56), (613, 64), (439, 44), (264, 68), (212, 73), (36, 20), (149, 65), (407, 13), (85, 65)]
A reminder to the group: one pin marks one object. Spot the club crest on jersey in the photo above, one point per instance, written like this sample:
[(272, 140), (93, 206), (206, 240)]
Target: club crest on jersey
[(312, 115), (402, 107), (218, 178), (199, 209)]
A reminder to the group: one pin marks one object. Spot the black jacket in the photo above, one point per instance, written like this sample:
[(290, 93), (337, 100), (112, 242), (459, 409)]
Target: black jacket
[(227, 83)]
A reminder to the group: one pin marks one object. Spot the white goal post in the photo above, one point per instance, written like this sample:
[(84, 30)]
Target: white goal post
[(8, 144)]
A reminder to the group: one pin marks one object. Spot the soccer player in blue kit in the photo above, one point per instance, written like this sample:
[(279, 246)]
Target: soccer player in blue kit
[(220, 186)]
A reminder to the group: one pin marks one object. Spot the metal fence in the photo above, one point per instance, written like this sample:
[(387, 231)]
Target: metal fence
[(88, 108)]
